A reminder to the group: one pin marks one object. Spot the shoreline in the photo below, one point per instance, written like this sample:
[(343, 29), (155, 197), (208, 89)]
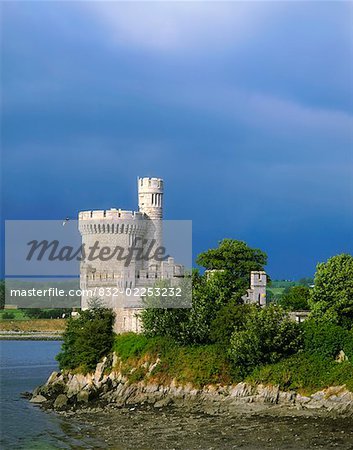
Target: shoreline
[(31, 335), (109, 387)]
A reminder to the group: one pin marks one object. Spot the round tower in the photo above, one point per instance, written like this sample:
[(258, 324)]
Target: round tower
[(150, 193)]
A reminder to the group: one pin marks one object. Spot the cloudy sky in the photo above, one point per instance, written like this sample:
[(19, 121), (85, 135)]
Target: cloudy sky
[(244, 108)]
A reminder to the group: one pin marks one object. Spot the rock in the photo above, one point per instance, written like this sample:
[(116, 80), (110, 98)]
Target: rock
[(38, 399), (60, 402), (268, 394), (116, 360), (153, 366), (302, 400), (76, 384), (52, 378), (101, 368), (341, 357), (163, 402), (83, 396)]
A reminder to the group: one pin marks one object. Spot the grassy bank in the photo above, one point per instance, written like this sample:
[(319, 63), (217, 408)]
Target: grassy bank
[(33, 325), (204, 365)]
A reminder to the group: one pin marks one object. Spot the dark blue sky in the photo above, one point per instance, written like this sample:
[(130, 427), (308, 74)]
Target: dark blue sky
[(245, 109)]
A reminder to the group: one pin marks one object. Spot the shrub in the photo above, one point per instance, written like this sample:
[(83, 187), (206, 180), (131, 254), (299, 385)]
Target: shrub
[(87, 339), (269, 335), (324, 339), (331, 298), (305, 372), (295, 298), (229, 318), (8, 315)]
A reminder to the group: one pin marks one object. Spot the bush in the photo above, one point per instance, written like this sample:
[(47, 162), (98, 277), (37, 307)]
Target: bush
[(306, 373), (37, 313), (8, 315), (331, 298), (229, 318), (87, 339), (269, 335), (325, 339), (199, 365), (296, 298)]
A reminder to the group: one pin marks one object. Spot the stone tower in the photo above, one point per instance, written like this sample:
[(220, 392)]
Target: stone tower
[(150, 193), (257, 292), (150, 202)]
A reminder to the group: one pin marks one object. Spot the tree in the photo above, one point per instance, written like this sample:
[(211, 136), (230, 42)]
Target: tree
[(232, 263), (87, 339), (235, 258), (296, 298), (331, 298), (229, 318), (268, 336)]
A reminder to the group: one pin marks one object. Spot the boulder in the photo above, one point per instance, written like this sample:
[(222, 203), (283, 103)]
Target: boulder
[(100, 369), (38, 399), (76, 384), (60, 402), (52, 378), (83, 396)]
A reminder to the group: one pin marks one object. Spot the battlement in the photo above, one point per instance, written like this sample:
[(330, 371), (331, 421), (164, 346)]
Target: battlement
[(109, 214), (258, 278), (148, 184)]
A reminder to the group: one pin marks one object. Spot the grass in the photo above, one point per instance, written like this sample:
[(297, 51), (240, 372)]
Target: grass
[(276, 291), (19, 314), (202, 365), (197, 365), (305, 373), (33, 325)]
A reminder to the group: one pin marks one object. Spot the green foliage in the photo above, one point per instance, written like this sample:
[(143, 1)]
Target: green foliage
[(2, 294), (38, 313), (229, 318), (296, 298), (234, 257), (282, 284), (199, 365), (87, 339), (325, 339), (233, 261), (306, 281), (269, 335), (7, 315), (332, 296), (305, 373)]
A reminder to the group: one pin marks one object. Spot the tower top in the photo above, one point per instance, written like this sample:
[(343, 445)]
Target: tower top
[(150, 196), (150, 184)]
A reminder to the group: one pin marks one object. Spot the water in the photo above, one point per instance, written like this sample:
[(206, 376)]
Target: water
[(26, 364)]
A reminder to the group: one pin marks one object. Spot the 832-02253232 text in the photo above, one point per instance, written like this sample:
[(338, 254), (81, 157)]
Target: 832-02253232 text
[(139, 291), (101, 291)]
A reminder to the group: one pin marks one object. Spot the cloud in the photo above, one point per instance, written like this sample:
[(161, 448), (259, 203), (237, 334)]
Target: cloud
[(166, 26)]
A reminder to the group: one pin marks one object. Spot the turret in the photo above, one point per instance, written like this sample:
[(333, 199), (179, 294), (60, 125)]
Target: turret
[(150, 193)]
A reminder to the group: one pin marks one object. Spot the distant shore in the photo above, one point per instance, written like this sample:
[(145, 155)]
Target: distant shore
[(33, 329), (31, 335)]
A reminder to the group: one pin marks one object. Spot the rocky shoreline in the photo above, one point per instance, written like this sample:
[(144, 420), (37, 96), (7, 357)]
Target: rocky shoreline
[(109, 385)]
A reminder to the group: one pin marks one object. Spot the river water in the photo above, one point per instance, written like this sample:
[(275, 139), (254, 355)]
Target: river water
[(26, 364)]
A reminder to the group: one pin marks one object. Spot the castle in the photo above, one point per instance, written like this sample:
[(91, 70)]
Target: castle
[(112, 280), (115, 281)]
